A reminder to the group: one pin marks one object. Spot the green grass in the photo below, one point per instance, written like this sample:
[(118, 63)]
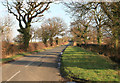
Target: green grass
[(11, 58), (77, 63)]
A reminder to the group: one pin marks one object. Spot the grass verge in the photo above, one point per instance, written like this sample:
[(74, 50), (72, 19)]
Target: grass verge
[(81, 65), (12, 58), (17, 56)]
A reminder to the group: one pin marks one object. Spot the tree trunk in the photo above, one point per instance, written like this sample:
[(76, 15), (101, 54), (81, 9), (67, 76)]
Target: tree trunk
[(51, 41), (99, 36), (56, 42), (85, 35), (56, 39), (116, 43), (85, 40), (26, 40), (26, 36), (116, 46), (35, 38), (45, 42)]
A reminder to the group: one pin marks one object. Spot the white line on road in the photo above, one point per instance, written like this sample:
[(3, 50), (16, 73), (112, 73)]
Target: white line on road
[(12, 76), (29, 64), (32, 62)]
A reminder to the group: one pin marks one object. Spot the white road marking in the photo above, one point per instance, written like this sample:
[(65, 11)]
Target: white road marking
[(29, 64), (12, 76), (33, 61)]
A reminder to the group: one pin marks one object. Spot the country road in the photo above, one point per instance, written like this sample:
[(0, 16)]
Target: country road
[(42, 66)]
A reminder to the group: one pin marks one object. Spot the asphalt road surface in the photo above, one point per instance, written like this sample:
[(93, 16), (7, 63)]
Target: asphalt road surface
[(42, 66)]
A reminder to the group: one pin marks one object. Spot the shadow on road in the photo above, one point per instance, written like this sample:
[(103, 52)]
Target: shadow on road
[(35, 63), (51, 55)]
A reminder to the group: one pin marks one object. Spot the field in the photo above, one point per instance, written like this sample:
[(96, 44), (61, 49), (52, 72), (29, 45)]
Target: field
[(79, 64)]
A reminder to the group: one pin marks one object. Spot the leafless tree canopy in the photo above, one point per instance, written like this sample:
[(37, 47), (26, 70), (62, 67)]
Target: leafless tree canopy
[(104, 17), (25, 11), (5, 28), (51, 28)]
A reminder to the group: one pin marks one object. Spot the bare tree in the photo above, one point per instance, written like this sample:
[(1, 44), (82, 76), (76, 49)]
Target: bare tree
[(44, 35), (99, 23), (18, 39), (112, 11), (81, 28), (33, 33), (5, 28), (56, 26), (83, 17), (105, 14), (25, 11)]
